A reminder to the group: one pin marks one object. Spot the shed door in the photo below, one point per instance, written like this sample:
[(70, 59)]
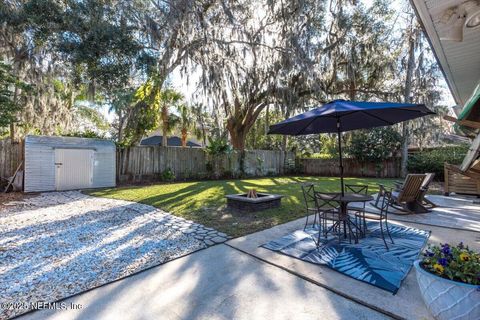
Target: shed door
[(74, 169)]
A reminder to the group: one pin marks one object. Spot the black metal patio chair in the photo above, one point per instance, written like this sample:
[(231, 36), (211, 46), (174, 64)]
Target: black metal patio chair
[(308, 190), (381, 217), (358, 208), (328, 210)]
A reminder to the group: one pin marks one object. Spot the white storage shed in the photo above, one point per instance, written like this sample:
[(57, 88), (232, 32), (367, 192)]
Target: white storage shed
[(65, 163)]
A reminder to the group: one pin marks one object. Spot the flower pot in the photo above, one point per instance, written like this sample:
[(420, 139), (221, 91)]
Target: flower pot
[(447, 299)]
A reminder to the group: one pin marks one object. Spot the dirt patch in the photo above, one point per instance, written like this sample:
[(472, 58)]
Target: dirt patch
[(13, 196)]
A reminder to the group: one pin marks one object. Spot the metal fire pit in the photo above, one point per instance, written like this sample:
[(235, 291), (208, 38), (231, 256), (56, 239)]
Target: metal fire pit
[(263, 201)]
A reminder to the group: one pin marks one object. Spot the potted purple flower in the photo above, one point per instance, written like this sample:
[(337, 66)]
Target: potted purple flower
[(449, 280)]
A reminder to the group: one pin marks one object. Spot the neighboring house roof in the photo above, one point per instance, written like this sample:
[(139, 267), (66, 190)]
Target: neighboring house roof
[(459, 61), (172, 141)]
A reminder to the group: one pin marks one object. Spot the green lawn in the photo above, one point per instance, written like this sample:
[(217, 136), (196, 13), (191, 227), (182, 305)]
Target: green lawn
[(204, 201)]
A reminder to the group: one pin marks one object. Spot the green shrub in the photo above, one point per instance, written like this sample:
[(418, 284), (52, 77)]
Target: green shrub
[(85, 134), (374, 145), (217, 146), (434, 159), (318, 155), (168, 175)]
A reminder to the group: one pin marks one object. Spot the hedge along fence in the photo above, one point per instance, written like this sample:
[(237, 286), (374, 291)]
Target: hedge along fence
[(154, 163), (433, 160), (351, 168)]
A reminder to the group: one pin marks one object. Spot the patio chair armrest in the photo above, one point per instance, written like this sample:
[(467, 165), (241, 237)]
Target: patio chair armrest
[(398, 184), (383, 188)]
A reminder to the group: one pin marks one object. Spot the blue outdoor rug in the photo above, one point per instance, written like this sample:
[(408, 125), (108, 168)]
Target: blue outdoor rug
[(367, 261)]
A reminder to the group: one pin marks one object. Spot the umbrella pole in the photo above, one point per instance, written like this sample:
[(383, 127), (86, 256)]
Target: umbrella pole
[(339, 132)]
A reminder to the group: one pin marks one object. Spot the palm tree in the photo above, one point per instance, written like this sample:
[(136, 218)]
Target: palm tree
[(186, 122), (121, 104), (168, 98), (202, 120), (151, 93)]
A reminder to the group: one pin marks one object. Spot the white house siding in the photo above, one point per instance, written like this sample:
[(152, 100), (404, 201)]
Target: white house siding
[(40, 161)]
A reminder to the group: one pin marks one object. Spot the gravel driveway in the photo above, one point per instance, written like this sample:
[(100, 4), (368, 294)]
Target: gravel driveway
[(61, 243)]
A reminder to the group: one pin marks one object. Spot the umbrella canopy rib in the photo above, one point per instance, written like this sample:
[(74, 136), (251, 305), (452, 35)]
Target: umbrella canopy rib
[(378, 118), (304, 127)]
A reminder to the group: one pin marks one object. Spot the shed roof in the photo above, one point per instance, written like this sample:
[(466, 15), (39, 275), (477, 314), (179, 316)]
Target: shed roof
[(69, 142)]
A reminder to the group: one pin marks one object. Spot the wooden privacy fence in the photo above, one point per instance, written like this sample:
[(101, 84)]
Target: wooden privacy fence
[(351, 167), (11, 155), (142, 163), (149, 163)]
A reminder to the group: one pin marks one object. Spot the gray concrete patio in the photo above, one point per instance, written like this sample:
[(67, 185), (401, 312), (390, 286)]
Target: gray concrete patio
[(409, 294), (451, 212), (216, 283), (240, 280), (459, 212)]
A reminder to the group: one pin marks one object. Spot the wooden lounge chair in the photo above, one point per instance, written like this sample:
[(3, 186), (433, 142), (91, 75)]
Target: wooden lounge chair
[(464, 179), (423, 190), (406, 199)]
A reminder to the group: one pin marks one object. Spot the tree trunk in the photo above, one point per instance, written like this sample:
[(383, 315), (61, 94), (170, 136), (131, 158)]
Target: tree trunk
[(238, 129), (164, 126), (351, 75), (120, 131), (407, 92), (12, 132), (184, 137), (238, 137), (91, 91), (204, 135), (12, 124), (239, 124), (267, 125), (285, 137), (253, 137)]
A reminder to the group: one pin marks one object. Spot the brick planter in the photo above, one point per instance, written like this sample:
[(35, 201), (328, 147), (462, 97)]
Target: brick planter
[(263, 202)]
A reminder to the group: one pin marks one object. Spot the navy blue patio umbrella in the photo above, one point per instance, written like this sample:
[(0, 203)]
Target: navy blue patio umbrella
[(342, 115)]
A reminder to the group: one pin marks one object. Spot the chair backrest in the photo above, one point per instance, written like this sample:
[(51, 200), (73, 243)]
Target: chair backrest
[(411, 188), (327, 201), (428, 179), (308, 190), (386, 201), (355, 188)]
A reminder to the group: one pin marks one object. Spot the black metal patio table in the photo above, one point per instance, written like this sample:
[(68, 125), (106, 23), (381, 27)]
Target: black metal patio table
[(344, 200)]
